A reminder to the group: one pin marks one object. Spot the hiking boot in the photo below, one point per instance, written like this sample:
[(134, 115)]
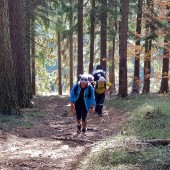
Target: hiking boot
[(78, 129), (100, 115), (83, 130)]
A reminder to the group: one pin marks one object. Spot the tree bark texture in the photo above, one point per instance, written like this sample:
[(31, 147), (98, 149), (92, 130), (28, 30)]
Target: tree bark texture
[(18, 42), (165, 69), (71, 46), (123, 48), (136, 79), (80, 38), (92, 37), (103, 33), (8, 95), (59, 65), (148, 47)]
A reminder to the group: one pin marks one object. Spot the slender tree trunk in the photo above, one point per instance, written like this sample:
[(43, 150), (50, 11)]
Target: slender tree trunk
[(147, 66), (33, 85), (80, 37), (136, 79), (17, 14), (71, 47), (59, 65), (8, 95), (123, 48), (103, 33), (92, 36), (165, 67), (147, 58), (112, 65)]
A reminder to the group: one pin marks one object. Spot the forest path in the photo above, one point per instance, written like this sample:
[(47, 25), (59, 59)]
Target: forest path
[(46, 140)]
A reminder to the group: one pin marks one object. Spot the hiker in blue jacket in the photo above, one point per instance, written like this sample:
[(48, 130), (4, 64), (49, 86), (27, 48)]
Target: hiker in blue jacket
[(82, 101)]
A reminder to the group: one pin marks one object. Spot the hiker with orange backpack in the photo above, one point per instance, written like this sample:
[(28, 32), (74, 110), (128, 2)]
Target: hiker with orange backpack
[(82, 101), (102, 88)]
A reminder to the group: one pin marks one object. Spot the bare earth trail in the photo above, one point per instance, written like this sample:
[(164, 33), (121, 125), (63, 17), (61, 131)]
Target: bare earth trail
[(50, 143)]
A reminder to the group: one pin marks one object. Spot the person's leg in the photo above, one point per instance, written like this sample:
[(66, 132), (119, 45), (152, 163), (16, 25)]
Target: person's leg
[(78, 126), (84, 125), (78, 117), (84, 121), (97, 99), (101, 102)]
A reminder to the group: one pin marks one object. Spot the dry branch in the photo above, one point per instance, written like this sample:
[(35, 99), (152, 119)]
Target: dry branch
[(70, 138), (156, 142)]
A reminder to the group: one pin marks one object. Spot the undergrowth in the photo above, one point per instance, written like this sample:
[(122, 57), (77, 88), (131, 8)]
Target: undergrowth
[(149, 118)]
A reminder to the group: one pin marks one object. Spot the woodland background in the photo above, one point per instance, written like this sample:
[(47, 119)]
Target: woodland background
[(46, 44)]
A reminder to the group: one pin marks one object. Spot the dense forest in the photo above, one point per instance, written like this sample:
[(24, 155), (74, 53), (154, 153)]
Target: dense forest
[(45, 45)]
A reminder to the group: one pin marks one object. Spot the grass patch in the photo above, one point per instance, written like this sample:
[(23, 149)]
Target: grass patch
[(9, 122), (149, 118), (34, 115), (150, 159)]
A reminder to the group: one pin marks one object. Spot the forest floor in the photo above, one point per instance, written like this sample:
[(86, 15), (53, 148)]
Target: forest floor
[(45, 137)]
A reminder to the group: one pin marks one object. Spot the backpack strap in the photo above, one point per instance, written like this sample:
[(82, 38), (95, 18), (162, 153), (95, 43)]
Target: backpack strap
[(89, 90)]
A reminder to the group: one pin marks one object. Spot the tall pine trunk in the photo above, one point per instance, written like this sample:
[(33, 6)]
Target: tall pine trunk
[(71, 46), (123, 48), (80, 38), (165, 67), (28, 41), (59, 65), (92, 37), (17, 14), (103, 33), (8, 95), (148, 47), (33, 84), (136, 79), (112, 65)]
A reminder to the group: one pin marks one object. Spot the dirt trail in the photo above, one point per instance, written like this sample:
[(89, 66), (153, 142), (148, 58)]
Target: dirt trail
[(50, 143)]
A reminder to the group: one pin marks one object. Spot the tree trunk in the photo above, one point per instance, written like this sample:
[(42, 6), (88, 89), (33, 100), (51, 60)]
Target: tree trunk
[(147, 58), (123, 48), (71, 47), (28, 41), (136, 79), (165, 69), (33, 84), (80, 38), (147, 66), (103, 33), (8, 95), (112, 65), (17, 14), (92, 37), (59, 65)]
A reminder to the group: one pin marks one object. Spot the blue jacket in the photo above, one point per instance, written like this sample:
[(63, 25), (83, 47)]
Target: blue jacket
[(88, 100)]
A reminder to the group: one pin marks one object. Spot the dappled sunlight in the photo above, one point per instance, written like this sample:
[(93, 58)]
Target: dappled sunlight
[(45, 137), (22, 149)]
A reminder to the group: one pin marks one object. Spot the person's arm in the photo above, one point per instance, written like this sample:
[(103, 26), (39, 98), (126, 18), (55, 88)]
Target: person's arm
[(109, 89), (72, 108)]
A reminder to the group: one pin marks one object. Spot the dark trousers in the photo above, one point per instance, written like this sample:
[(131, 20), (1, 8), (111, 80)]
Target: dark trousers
[(99, 102), (81, 111)]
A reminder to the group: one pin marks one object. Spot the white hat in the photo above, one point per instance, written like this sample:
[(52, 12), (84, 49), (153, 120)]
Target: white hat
[(102, 79), (84, 79)]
